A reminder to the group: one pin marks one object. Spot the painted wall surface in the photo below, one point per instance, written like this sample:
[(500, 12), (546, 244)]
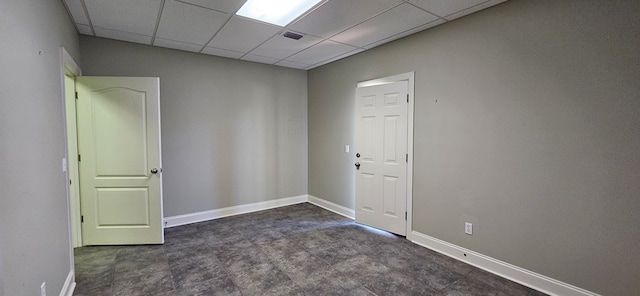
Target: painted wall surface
[(34, 236), (233, 132), (527, 124)]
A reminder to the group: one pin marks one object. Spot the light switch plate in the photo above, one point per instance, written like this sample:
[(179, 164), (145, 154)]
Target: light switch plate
[(346, 148)]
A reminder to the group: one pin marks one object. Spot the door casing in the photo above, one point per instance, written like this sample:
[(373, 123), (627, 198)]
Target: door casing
[(409, 77)]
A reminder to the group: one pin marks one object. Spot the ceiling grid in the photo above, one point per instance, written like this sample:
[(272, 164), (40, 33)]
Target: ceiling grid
[(331, 30)]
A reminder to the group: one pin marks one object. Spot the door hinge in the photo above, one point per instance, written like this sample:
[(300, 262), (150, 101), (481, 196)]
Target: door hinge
[(407, 97), (79, 158), (81, 219), (76, 95), (406, 157), (405, 216)]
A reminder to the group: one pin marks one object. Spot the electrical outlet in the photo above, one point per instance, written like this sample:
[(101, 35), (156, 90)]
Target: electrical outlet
[(43, 289), (468, 228)]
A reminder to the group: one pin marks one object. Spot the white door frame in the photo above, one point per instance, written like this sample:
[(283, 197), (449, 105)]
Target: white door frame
[(68, 65), (409, 77)]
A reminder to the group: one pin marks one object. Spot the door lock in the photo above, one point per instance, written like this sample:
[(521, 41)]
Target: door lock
[(357, 165), (358, 155)]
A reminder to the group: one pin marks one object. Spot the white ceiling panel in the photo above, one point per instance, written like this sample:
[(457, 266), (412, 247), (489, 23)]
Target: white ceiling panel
[(259, 59), (332, 30), (138, 16), (124, 36), (290, 64), (337, 15), (84, 29), (342, 56), (474, 9), (321, 52), (177, 45), (222, 52), (406, 33), (77, 11), (188, 23), (444, 8), (241, 34), (390, 23), (280, 47), (228, 6)]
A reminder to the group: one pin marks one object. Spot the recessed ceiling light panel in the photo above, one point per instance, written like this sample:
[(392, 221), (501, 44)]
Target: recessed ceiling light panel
[(277, 12)]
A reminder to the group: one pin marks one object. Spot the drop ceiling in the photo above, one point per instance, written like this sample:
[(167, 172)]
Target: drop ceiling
[(332, 30)]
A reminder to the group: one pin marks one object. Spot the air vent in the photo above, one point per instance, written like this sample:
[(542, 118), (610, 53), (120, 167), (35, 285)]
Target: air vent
[(292, 35)]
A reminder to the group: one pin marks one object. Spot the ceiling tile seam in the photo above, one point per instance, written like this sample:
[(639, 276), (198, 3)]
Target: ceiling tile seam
[(114, 30), (308, 12), (178, 41), (468, 8), (229, 17), (155, 30), (73, 20), (429, 12), (86, 12), (310, 46), (200, 6), (376, 15), (335, 58), (274, 35), (205, 47), (394, 35)]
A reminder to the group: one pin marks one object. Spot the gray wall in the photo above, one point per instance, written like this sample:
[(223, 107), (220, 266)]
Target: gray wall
[(534, 137), (233, 132), (34, 236)]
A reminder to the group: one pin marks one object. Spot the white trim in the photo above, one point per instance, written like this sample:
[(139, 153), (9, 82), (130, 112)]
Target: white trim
[(230, 211), (69, 285), (410, 78), (336, 208), (517, 274)]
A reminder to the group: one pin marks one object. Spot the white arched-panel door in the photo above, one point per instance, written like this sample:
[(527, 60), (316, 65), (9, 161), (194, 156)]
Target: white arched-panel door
[(120, 164)]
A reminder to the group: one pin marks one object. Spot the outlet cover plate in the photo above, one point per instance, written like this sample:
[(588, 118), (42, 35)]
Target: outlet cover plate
[(468, 228)]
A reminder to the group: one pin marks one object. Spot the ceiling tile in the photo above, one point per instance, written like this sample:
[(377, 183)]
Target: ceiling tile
[(342, 56), (444, 8), (222, 52), (321, 52), (474, 9), (177, 45), (77, 11), (290, 64), (241, 34), (280, 47), (228, 6), (188, 23), (138, 16), (337, 15), (407, 33), (390, 23), (259, 59), (124, 36), (84, 29)]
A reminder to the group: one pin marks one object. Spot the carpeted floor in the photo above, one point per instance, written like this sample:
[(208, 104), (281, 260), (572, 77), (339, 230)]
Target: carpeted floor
[(294, 250)]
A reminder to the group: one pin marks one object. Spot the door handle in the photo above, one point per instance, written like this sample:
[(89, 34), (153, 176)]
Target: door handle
[(154, 170), (357, 165)]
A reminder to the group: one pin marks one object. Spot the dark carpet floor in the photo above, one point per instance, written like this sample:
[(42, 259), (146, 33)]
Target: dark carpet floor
[(294, 250)]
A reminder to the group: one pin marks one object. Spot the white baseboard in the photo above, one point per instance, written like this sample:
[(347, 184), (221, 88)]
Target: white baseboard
[(517, 274), (69, 285), (230, 211), (336, 208)]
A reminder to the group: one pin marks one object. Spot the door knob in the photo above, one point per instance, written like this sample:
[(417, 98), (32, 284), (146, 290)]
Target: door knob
[(357, 165), (358, 155), (154, 171)]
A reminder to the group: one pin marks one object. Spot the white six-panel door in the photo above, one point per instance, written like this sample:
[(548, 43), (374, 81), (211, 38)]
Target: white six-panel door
[(119, 147), (381, 156)]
